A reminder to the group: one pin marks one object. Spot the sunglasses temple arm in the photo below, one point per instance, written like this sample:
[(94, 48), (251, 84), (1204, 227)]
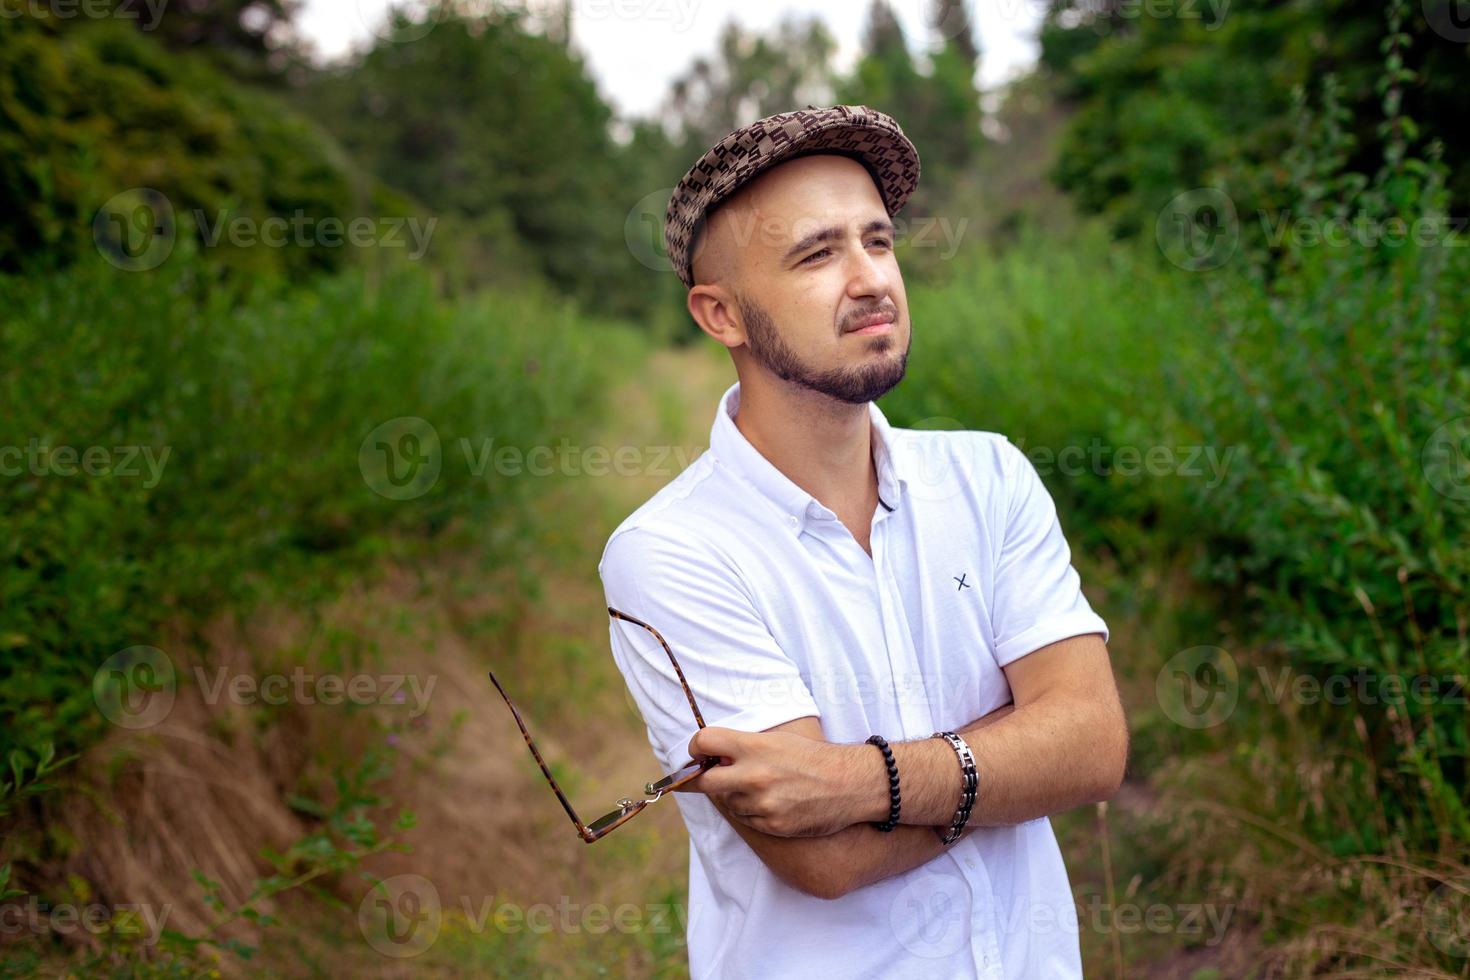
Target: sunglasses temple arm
[(616, 614), (566, 804)]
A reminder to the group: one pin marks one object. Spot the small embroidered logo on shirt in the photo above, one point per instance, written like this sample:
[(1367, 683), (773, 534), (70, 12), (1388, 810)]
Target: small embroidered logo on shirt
[(961, 579)]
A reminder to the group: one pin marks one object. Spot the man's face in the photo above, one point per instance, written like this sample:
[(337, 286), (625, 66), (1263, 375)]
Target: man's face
[(806, 253)]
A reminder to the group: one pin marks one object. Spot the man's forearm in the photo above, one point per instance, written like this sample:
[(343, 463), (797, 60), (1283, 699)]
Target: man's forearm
[(1039, 759), (866, 854)]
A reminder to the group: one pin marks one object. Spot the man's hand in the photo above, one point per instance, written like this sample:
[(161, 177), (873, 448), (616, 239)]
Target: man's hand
[(785, 784)]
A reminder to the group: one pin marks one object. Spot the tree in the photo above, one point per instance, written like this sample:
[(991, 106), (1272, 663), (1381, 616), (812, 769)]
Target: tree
[(485, 121), (751, 77), (248, 38), (954, 97), (1165, 104), (939, 111)]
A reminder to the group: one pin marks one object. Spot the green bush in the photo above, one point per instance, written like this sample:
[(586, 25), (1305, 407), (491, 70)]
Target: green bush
[(1347, 520), (1067, 350), (1337, 379), (1175, 96), (263, 401), (98, 110)]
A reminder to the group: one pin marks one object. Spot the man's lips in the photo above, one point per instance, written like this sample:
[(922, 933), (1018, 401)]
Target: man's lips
[(874, 323)]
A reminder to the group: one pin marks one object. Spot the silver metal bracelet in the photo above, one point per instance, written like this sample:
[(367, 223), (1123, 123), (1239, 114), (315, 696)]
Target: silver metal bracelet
[(971, 785)]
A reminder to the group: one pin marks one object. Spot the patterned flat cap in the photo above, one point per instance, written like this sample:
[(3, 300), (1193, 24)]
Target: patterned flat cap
[(867, 135)]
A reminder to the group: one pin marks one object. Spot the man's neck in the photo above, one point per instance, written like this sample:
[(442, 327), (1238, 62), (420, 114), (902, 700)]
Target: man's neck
[(821, 444)]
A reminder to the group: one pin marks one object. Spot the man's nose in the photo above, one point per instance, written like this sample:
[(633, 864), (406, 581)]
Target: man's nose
[(871, 275)]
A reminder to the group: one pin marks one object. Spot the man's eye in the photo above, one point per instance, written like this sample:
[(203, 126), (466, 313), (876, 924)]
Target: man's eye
[(818, 254)]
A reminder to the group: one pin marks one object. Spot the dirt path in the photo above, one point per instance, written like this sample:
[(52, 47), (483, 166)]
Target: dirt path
[(490, 833), (489, 826)]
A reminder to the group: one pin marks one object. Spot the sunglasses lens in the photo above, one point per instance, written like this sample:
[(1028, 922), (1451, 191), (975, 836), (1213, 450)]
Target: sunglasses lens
[(679, 777), (603, 824)]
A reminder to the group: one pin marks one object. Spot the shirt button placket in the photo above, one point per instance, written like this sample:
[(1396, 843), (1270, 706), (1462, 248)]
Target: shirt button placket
[(902, 659), (984, 947)]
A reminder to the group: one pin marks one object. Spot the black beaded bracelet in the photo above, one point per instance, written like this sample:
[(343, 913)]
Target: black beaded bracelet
[(893, 799)]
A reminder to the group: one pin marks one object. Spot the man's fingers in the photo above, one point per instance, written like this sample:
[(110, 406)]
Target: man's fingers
[(711, 740), (714, 780)]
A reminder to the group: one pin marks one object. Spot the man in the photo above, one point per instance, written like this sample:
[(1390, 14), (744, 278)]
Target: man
[(822, 577)]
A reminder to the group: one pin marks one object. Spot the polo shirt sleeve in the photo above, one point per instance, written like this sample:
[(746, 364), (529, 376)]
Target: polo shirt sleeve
[(739, 676), (1038, 596)]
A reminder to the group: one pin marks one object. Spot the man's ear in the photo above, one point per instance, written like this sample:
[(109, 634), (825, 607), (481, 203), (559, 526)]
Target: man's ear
[(713, 308)]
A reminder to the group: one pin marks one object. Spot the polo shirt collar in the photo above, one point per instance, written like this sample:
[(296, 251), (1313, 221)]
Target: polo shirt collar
[(794, 505)]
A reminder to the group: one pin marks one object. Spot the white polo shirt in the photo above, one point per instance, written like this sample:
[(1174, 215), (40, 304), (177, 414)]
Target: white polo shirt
[(775, 612)]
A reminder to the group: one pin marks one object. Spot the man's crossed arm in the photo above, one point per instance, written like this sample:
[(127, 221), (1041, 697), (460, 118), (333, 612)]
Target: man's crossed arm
[(804, 804)]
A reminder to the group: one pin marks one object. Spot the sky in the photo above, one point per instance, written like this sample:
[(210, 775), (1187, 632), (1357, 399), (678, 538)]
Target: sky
[(635, 48)]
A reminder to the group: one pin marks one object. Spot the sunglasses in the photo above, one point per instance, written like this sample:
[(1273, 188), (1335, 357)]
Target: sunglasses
[(627, 807)]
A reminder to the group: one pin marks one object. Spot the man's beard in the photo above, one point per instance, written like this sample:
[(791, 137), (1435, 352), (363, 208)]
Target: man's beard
[(855, 385)]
